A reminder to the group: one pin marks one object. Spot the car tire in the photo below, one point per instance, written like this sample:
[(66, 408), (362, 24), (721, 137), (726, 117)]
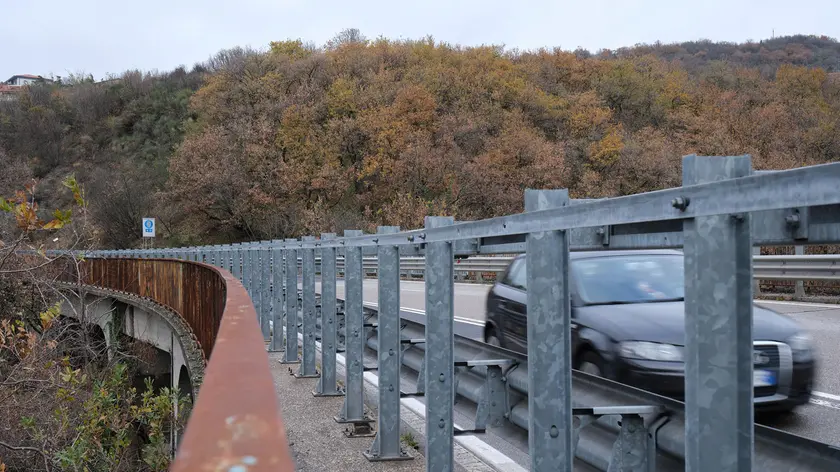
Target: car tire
[(591, 363)]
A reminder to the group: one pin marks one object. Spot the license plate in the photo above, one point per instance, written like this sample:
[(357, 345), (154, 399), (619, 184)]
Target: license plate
[(763, 378)]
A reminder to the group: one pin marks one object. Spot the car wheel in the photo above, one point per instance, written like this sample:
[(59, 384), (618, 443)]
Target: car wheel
[(591, 363), (491, 338)]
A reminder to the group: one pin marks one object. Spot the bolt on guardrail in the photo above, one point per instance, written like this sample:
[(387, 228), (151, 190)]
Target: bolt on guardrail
[(720, 212)]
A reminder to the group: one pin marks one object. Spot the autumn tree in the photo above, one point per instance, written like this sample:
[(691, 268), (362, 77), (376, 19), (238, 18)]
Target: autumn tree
[(67, 403)]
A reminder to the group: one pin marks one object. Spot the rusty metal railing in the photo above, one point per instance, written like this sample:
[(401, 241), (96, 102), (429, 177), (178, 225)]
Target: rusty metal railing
[(235, 423)]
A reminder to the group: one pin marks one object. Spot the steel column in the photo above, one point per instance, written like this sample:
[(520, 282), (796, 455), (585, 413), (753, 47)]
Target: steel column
[(799, 291), (386, 444), (718, 328), (327, 383), (277, 270), (265, 292), (353, 410), (549, 340), (307, 366), (246, 268), (225, 255), (236, 261), (440, 351), (254, 253), (290, 355)]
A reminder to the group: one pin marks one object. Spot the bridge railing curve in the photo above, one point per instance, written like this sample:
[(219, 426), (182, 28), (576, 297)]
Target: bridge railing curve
[(235, 423)]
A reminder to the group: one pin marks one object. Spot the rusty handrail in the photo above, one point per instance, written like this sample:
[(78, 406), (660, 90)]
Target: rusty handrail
[(235, 423)]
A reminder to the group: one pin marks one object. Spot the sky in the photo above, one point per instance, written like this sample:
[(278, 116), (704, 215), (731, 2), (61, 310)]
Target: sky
[(52, 37)]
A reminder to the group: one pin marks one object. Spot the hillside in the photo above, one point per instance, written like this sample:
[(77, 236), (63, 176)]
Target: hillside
[(766, 55), (357, 133)]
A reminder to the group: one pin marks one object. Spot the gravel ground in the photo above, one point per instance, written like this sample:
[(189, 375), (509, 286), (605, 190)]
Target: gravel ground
[(316, 441)]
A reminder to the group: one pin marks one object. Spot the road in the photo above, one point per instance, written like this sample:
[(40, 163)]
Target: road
[(816, 421)]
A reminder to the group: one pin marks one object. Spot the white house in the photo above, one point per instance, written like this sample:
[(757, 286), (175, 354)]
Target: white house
[(25, 79)]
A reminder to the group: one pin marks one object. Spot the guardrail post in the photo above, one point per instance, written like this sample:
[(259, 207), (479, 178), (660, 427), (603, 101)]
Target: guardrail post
[(277, 299), (630, 451), (799, 290), (246, 268), (254, 279), (290, 355), (756, 251), (549, 340), (386, 444), (224, 257), (353, 410), (440, 350), (307, 366), (327, 383), (233, 260), (265, 292), (236, 261), (718, 328)]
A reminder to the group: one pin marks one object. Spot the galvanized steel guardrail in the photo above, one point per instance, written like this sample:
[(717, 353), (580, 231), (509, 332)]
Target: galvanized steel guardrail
[(795, 268), (620, 427), (722, 210)]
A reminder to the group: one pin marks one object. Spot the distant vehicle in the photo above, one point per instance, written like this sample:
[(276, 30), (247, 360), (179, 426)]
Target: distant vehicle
[(628, 325)]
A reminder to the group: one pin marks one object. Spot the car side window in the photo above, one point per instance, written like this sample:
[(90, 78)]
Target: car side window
[(517, 276)]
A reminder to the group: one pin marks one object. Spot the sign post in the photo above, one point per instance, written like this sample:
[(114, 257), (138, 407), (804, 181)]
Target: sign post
[(148, 229)]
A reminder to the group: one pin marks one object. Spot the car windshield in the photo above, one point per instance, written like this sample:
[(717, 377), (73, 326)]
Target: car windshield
[(622, 279)]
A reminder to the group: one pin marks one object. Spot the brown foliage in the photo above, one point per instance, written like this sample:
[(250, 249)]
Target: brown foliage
[(364, 132)]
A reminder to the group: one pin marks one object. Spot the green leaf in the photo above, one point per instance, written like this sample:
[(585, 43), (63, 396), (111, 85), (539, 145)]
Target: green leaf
[(78, 194)]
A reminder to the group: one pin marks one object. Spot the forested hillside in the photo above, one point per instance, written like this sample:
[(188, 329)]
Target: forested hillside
[(302, 139)]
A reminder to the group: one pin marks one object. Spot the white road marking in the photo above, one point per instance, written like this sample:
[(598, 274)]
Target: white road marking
[(824, 306), (827, 404), (421, 312), (827, 396)]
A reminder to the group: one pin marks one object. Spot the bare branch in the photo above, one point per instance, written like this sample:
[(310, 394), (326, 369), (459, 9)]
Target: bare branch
[(29, 449)]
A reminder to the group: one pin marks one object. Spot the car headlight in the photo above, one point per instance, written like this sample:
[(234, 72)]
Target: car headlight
[(650, 351), (800, 346)]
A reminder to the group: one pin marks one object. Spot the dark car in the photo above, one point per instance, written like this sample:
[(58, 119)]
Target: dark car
[(628, 325)]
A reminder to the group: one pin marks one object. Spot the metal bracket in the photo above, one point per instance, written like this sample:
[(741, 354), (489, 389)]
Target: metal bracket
[(604, 233), (492, 407), (631, 452), (797, 223), (653, 434)]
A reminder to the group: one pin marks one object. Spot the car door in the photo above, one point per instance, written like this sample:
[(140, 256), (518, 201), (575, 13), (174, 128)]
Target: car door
[(511, 304)]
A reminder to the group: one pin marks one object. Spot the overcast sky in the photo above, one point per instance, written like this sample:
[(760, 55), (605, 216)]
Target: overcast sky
[(46, 37)]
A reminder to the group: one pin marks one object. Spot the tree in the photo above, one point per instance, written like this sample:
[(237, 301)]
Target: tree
[(67, 403)]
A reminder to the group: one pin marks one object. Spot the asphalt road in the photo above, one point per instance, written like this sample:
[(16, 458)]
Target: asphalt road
[(817, 421)]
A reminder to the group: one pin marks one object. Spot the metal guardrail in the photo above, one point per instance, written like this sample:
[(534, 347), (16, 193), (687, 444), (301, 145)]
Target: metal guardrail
[(722, 210), (608, 412), (816, 267), (230, 427)]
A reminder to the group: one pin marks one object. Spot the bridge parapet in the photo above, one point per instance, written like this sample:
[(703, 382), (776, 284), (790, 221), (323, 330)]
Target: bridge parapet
[(235, 423)]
